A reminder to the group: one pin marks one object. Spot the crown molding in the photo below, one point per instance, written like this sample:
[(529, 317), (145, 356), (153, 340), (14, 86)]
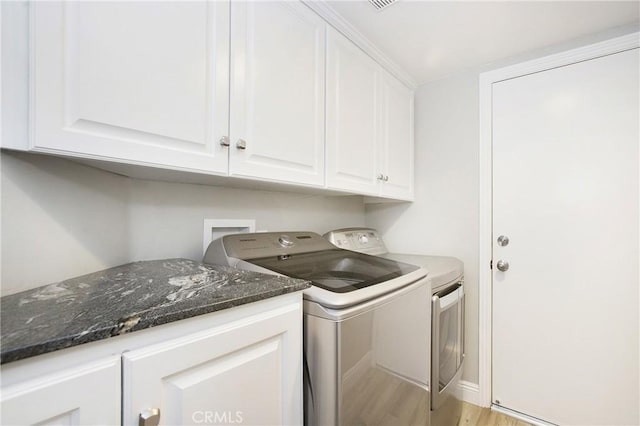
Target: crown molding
[(333, 18)]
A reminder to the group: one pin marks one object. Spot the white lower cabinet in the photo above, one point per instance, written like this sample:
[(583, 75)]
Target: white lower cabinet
[(238, 366), (246, 372), (88, 394)]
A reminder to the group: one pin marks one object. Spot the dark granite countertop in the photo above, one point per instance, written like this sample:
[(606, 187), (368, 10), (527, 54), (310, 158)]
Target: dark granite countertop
[(123, 299)]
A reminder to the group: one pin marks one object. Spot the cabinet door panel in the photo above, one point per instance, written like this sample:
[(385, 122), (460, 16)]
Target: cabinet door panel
[(248, 371), (132, 81), (63, 398), (277, 95), (353, 125), (396, 154)]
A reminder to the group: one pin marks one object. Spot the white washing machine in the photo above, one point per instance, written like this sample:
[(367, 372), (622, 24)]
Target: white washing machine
[(366, 326), (446, 276)]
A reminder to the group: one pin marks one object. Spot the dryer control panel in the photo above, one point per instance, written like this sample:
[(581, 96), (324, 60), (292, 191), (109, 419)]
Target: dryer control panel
[(363, 240)]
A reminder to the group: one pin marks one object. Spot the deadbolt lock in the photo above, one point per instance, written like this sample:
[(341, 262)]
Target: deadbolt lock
[(503, 240)]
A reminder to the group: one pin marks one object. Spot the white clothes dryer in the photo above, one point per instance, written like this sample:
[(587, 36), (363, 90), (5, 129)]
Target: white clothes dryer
[(446, 277)]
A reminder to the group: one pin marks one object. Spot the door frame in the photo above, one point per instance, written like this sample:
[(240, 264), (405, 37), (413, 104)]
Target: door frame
[(485, 211)]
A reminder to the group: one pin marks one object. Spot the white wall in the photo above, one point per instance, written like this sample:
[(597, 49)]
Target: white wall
[(444, 218), (166, 219), (60, 219)]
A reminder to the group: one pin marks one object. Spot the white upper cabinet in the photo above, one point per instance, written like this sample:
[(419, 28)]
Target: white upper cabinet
[(137, 82), (396, 149), (266, 91), (277, 92), (369, 141), (353, 117)]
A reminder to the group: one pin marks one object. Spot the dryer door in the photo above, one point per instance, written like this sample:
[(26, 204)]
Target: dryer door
[(447, 345)]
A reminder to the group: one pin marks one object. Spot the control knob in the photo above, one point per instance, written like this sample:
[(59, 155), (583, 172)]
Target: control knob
[(285, 241)]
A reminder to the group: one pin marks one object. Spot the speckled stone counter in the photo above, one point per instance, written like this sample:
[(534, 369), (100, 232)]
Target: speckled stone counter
[(123, 299)]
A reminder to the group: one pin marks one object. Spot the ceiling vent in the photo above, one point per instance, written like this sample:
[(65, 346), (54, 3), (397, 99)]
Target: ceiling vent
[(382, 4)]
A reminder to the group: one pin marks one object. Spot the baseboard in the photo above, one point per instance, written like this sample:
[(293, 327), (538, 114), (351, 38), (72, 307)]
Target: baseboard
[(469, 392), (525, 418)]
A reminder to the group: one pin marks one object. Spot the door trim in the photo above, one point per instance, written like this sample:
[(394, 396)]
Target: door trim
[(485, 212)]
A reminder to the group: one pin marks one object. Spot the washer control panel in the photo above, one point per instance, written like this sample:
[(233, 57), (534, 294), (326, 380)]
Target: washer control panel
[(363, 240), (267, 244)]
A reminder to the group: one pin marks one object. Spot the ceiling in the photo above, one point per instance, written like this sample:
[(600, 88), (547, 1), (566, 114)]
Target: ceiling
[(432, 39)]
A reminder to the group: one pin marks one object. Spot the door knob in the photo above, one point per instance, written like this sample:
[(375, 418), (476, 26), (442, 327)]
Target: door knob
[(503, 240), (502, 265)]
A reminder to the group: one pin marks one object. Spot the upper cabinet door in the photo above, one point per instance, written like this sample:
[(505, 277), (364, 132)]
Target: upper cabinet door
[(396, 150), (277, 92), (138, 82), (353, 112)]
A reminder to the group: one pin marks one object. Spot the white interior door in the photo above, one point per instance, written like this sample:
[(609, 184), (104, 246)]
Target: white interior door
[(565, 193)]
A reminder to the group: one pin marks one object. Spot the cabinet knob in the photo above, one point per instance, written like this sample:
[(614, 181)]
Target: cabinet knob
[(380, 176), (224, 141), (241, 144), (149, 417), (386, 178)]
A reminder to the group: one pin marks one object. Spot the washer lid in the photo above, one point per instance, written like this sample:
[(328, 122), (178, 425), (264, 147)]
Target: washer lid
[(336, 270)]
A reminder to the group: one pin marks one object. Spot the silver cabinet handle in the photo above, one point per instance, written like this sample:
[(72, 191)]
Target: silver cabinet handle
[(380, 176), (502, 265), (224, 141), (503, 240), (241, 144), (386, 178), (149, 417)]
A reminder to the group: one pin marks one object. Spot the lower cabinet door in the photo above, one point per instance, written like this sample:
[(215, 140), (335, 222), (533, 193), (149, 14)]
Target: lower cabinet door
[(85, 395), (245, 372)]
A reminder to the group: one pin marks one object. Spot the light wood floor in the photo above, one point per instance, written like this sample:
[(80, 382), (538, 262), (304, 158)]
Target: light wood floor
[(472, 415)]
